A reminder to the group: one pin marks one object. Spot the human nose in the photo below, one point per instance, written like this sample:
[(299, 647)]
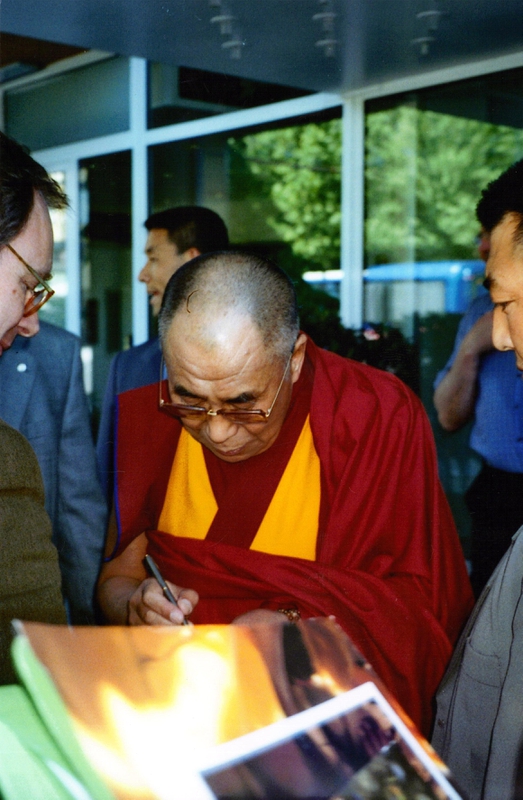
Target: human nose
[(219, 428), (501, 337), (28, 326), (143, 275)]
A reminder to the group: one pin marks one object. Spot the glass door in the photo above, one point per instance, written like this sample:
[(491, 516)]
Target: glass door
[(106, 266)]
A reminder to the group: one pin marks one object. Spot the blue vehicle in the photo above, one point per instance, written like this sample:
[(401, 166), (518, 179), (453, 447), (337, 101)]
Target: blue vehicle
[(438, 286), (461, 279)]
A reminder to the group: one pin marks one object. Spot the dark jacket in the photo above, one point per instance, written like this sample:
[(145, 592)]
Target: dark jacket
[(29, 573), (42, 396), (479, 721)]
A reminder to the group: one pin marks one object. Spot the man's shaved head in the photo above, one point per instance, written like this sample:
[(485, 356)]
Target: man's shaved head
[(235, 283)]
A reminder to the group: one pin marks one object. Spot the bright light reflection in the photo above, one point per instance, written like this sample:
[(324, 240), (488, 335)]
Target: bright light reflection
[(199, 708)]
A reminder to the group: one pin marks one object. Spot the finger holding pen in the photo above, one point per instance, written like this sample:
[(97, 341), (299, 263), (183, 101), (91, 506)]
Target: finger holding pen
[(152, 566), (148, 604)]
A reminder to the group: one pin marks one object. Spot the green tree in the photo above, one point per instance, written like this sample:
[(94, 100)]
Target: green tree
[(300, 169), (424, 175)]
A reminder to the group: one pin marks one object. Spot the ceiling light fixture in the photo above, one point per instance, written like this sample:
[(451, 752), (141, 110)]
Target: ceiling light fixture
[(427, 23), (234, 46), (326, 18), (227, 24), (423, 42), (329, 46), (431, 17)]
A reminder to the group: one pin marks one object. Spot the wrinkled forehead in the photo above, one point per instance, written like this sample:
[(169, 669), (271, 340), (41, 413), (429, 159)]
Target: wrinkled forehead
[(215, 327), (219, 339)]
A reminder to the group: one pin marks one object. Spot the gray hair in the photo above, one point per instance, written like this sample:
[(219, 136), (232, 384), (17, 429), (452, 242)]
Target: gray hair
[(237, 281)]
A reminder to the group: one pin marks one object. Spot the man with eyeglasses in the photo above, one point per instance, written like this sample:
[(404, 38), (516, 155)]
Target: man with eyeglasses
[(276, 480), (29, 573)]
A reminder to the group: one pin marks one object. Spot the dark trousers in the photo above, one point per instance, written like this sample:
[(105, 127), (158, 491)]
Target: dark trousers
[(495, 502)]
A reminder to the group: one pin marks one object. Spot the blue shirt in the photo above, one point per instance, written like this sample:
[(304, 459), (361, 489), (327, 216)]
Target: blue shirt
[(497, 430)]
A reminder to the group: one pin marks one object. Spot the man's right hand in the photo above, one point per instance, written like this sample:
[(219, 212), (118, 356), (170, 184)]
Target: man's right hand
[(128, 596), (149, 606)]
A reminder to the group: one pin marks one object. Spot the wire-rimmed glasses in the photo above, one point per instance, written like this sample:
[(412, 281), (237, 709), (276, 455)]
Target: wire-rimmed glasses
[(199, 413)]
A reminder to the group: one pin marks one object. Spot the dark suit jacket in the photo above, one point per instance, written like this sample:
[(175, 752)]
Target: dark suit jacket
[(30, 577), (42, 395), (138, 366), (479, 720)]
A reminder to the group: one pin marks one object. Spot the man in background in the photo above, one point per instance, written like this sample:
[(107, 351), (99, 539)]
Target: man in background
[(42, 396), (29, 572), (482, 384), (175, 236)]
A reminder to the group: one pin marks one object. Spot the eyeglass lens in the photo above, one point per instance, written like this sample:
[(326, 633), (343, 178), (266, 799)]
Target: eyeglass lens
[(196, 413), (36, 301)]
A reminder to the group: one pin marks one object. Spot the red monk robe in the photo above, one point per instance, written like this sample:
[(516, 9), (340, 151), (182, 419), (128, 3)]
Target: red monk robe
[(388, 561)]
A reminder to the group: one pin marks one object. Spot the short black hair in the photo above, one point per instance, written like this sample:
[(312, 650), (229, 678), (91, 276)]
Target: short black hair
[(20, 177), (237, 281), (191, 226), (503, 196)]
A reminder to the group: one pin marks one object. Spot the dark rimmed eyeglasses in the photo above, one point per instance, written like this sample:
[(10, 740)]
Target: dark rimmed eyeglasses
[(238, 416), (42, 291)]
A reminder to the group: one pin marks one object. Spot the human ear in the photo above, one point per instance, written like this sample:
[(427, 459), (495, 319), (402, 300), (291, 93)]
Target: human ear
[(298, 357)]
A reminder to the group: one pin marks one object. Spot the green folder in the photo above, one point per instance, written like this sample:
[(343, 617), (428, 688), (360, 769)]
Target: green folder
[(40, 756)]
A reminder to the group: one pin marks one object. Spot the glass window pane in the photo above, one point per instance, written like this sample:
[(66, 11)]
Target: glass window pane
[(429, 154), (106, 279), (278, 191), (178, 94), (65, 108)]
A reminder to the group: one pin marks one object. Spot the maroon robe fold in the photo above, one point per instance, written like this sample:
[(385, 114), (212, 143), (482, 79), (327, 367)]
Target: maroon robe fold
[(388, 563)]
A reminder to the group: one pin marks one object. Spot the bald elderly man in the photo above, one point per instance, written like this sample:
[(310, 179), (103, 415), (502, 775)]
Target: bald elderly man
[(274, 480)]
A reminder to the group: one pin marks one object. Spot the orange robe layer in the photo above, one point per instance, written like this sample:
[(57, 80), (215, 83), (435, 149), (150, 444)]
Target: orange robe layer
[(191, 507), (388, 562)]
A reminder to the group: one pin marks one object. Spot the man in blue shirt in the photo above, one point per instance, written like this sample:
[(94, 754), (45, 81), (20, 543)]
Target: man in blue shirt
[(483, 384), (175, 236)]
